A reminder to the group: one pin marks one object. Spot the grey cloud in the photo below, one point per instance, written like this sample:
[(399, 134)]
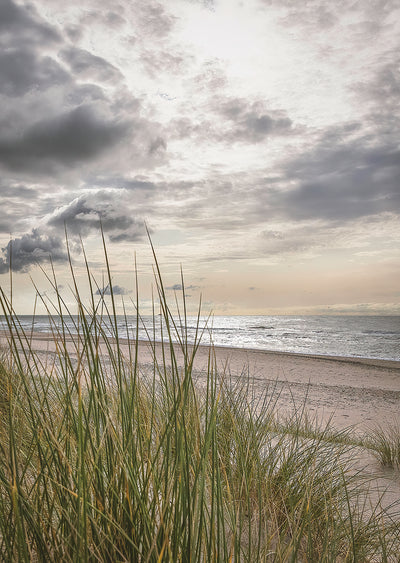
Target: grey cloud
[(16, 205), (211, 77), (234, 120), (311, 15), (108, 208), (22, 71), (116, 290), (389, 80), (179, 287), (153, 19), (30, 249), (342, 182), (75, 136), (320, 15), (74, 32), (157, 145), (210, 4), (21, 24), (17, 191), (159, 61), (298, 239), (7, 222), (136, 184), (59, 124), (116, 181), (113, 19), (176, 190), (82, 62), (384, 88), (175, 287), (251, 121), (85, 94)]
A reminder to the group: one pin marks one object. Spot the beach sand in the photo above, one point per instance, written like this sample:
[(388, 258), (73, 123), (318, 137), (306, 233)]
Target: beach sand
[(356, 392), (348, 393)]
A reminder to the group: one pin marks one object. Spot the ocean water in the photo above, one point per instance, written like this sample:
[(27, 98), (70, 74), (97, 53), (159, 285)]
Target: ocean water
[(350, 336)]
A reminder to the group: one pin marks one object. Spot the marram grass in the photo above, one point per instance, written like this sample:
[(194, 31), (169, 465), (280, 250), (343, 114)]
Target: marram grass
[(385, 444), (103, 460)]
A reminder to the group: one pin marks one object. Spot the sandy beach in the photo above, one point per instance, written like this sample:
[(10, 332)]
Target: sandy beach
[(355, 392), (349, 393)]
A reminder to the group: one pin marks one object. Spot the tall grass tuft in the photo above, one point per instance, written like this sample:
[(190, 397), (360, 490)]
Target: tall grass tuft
[(104, 458), (385, 445)]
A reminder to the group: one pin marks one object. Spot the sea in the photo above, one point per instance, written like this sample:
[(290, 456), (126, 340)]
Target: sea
[(376, 337)]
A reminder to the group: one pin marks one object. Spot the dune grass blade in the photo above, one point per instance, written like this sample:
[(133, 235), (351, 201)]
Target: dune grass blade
[(107, 459)]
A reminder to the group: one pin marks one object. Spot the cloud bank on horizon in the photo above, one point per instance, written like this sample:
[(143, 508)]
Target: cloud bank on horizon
[(256, 140)]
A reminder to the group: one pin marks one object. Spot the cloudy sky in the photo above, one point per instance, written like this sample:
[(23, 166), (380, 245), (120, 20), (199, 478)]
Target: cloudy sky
[(257, 139)]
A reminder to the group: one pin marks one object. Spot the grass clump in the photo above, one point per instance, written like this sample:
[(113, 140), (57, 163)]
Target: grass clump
[(385, 445), (104, 459)]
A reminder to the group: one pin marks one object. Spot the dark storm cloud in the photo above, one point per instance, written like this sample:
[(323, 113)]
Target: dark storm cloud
[(74, 136), (83, 63), (32, 248), (22, 71)]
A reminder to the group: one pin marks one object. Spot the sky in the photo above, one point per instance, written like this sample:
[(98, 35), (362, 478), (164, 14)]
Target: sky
[(257, 141)]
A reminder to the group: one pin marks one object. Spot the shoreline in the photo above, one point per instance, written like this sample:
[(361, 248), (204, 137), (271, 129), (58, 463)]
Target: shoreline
[(376, 362)]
